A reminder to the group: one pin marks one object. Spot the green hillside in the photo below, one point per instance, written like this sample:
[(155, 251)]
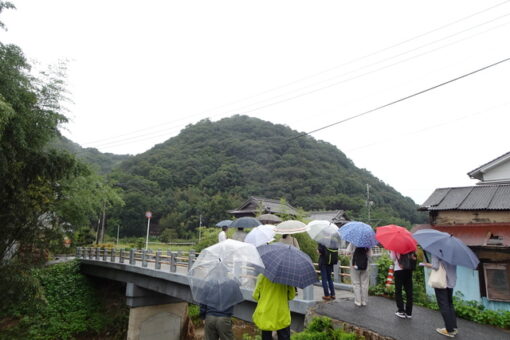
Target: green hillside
[(211, 167)]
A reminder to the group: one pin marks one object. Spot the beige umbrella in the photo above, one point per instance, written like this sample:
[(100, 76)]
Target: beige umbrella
[(290, 227)]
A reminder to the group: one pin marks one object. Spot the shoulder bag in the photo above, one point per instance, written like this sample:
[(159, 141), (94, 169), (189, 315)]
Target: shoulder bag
[(437, 278)]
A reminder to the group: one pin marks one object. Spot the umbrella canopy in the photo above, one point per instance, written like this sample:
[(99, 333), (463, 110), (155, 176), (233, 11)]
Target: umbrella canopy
[(447, 247), (290, 227), (224, 223), (287, 265), (260, 235), (269, 218), (396, 238), (359, 234), (325, 233), (245, 222), (221, 270)]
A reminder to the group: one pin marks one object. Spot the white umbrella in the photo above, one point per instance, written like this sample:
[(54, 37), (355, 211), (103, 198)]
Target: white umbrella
[(260, 235), (290, 227), (325, 233)]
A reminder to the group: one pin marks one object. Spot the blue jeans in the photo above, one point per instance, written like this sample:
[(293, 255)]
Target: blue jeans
[(327, 281)]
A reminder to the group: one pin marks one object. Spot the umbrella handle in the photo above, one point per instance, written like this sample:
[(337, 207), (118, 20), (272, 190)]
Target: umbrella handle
[(426, 257)]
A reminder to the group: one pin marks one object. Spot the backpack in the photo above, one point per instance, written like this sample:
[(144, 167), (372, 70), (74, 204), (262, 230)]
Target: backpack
[(331, 256), (407, 261), (360, 258)]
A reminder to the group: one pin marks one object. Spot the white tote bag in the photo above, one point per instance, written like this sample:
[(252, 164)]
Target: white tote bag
[(437, 278)]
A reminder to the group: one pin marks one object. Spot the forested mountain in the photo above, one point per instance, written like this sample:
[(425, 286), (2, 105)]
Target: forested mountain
[(211, 167), (103, 163)]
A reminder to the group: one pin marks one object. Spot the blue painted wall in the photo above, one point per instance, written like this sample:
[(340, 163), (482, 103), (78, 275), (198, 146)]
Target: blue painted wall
[(468, 283)]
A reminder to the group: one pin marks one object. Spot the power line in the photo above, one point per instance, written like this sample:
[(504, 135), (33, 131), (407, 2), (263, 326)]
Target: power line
[(402, 99), (115, 140)]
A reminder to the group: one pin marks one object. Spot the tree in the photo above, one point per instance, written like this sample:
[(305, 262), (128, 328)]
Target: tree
[(30, 173)]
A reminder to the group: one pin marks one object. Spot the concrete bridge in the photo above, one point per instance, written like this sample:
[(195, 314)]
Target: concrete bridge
[(157, 289)]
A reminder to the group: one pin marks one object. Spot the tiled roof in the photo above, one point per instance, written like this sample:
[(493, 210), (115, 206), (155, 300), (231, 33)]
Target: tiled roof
[(478, 172), (480, 197)]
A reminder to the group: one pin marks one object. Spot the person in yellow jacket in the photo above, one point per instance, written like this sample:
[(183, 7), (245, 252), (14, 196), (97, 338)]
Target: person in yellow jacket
[(272, 312)]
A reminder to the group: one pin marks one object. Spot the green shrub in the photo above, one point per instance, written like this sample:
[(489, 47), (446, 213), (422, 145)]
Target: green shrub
[(321, 328), (194, 314)]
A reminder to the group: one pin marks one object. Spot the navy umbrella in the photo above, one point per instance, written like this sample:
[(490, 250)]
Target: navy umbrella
[(287, 265), (224, 223), (245, 222), (447, 247)]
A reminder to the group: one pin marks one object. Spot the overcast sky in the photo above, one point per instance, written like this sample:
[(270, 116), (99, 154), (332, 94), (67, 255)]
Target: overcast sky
[(138, 72)]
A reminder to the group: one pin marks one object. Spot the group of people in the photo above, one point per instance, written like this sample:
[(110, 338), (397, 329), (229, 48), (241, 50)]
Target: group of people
[(272, 313)]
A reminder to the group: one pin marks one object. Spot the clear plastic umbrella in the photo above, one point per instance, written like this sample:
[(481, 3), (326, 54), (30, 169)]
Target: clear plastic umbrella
[(260, 235), (221, 270), (290, 227), (325, 233)]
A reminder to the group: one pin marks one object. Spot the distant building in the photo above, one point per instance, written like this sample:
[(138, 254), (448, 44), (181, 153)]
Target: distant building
[(337, 217), (480, 216), (258, 205)]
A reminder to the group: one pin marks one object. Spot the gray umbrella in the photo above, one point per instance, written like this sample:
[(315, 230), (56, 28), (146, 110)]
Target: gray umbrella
[(447, 247), (287, 265), (245, 222)]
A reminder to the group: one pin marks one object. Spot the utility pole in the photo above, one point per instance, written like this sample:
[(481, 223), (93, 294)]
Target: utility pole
[(148, 214), (368, 201), (118, 226), (102, 223)]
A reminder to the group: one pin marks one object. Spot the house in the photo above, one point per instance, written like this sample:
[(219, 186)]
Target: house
[(257, 205), (337, 217), (480, 216)]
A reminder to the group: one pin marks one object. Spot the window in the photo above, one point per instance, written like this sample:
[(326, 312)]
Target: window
[(497, 281)]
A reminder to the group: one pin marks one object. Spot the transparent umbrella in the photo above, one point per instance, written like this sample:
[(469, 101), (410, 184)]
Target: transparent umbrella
[(325, 233), (260, 235), (221, 270)]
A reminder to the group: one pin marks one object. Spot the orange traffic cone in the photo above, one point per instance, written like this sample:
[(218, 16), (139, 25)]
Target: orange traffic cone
[(389, 279)]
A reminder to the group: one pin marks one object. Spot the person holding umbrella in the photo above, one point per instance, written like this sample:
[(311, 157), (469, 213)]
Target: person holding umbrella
[(444, 296), (402, 246), (361, 238), (272, 312), (327, 258), (449, 252), (222, 236)]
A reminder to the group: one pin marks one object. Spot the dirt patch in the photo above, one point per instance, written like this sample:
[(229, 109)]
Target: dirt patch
[(239, 328)]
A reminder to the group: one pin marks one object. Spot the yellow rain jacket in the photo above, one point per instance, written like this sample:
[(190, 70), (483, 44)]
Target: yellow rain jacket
[(272, 312)]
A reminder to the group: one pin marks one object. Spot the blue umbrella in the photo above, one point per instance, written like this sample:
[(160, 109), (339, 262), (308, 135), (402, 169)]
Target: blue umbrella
[(287, 265), (224, 223), (447, 247), (359, 234), (245, 222)]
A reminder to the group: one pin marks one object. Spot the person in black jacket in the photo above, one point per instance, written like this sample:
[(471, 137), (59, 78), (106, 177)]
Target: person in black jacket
[(328, 258)]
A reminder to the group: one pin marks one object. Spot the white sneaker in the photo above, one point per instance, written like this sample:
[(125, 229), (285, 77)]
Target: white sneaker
[(408, 316), (400, 315)]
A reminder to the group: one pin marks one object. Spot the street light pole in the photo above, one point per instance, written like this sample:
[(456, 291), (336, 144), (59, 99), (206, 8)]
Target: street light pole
[(148, 214)]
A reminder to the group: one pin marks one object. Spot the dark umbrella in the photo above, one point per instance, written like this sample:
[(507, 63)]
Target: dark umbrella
[(447, 247), (224, 223), (245, 222), (287, 265), (269, 218)]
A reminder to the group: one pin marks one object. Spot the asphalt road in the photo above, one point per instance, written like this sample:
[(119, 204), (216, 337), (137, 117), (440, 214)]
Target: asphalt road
[(379, 316)]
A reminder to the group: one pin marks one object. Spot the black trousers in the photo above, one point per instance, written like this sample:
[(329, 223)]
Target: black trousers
[(283, 334), (444, 299), (404, 279)]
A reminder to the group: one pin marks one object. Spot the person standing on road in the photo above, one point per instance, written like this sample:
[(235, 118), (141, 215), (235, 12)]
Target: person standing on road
[(359, 273), (444, 296), (239, 235), (217, 323), (403, 279), (272, 312), (327, 259), (222, 236)]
